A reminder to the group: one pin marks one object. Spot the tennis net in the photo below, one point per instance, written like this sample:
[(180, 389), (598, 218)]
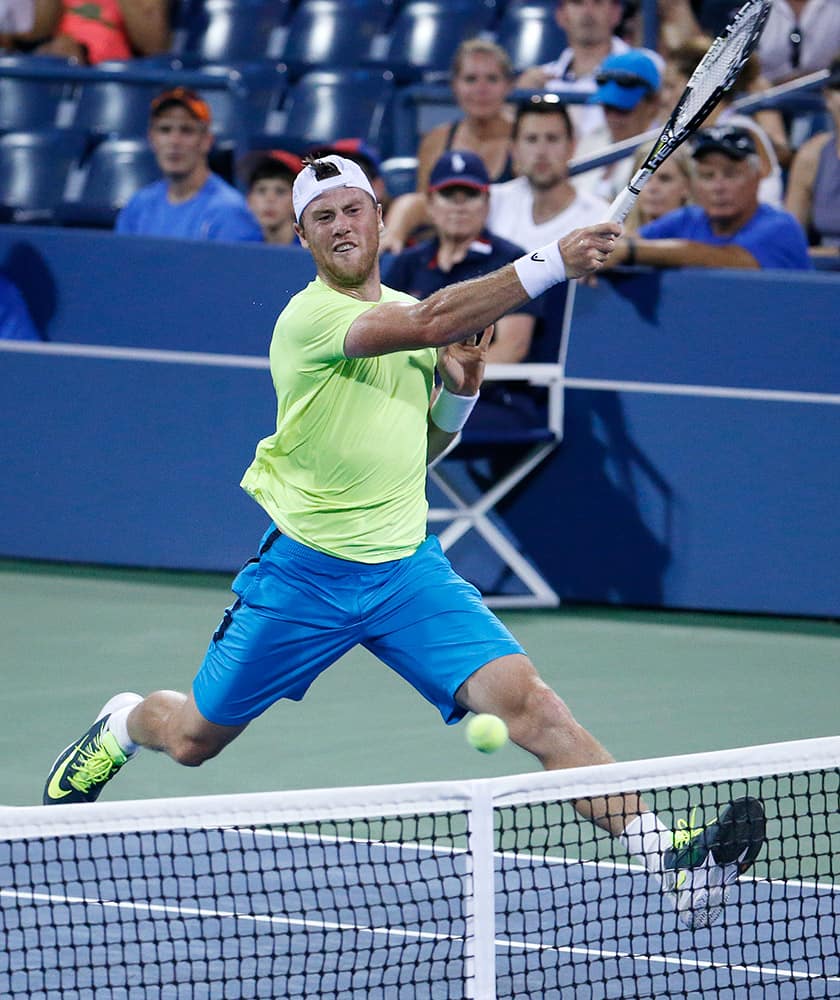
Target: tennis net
[(486, 888)]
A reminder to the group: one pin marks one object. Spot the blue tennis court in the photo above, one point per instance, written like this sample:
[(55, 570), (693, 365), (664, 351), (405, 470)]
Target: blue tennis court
[(272, 913)]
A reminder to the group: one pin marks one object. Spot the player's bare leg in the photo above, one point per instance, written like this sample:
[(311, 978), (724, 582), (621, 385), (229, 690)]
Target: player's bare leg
[(540, 722), (170, 721)]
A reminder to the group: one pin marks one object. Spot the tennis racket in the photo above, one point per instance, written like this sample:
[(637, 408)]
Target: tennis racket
[(714, 75)]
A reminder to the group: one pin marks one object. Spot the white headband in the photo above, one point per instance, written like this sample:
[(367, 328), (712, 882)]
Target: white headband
[(307, 187)]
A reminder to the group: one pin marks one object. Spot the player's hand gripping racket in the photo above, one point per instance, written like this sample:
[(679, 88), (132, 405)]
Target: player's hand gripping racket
[(715, 74)]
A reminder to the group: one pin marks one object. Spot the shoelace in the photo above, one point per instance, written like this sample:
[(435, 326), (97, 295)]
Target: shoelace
[(96, 766), (685, 832)]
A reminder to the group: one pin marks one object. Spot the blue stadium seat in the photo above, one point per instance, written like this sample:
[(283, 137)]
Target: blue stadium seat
[(399, 174), (327, 104), (232, 31), (34, 168), (530, 35), (326, 34), (111, 174), (240, 111), (28, 104), (425, 34), (114, 107)]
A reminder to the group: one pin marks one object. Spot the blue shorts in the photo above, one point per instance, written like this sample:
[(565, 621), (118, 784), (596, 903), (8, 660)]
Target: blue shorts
[(298, 610)]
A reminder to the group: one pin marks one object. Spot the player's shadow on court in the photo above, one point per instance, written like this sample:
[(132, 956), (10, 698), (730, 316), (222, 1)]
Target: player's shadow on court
[(25, 266)]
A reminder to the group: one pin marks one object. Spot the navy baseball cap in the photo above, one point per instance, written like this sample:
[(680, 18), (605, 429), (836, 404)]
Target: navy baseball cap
[(732, 140), (623, 80), (459, 168)]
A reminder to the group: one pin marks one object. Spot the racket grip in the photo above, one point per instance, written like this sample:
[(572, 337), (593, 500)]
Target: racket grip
[(620, 208)]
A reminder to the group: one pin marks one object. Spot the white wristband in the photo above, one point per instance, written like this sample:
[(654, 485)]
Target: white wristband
[(450, 412), (540, 270)]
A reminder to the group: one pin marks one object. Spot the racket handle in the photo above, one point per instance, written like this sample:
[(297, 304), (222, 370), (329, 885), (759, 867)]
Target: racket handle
[(620, 208)]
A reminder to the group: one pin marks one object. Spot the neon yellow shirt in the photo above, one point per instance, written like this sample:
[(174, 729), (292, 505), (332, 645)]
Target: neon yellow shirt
[(345, 471)]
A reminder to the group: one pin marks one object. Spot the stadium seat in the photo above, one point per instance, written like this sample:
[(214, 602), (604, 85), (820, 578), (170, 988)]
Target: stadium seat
[(530, 35), (232, 31), (425, 34), (34, 169), (325, 104), (509, 444), (28, 104), (399, 174), (114, 107), (109, 177), (331, 33)]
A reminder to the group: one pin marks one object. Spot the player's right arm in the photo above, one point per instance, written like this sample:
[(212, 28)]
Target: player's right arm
[(458, 311)]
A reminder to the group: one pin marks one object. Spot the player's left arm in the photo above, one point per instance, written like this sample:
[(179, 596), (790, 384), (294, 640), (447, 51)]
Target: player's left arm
[(461, 368)]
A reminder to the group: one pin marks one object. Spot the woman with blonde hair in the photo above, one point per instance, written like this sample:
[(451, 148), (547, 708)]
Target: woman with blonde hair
[(668, 189), (482, 79)]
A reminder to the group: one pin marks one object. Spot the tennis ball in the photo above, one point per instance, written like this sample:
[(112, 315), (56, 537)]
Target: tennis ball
[(487, 733)]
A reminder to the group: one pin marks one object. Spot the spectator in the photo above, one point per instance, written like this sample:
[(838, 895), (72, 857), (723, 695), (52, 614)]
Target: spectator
[(538, 205), (482, 78), (91, 31), (462, 248), (728, 226), (628, 92), (190, 202), (541, 204), (767, 125), (801, 36), (813, 194), (15, 321), (590, 27), (269, 195), (666, 190)]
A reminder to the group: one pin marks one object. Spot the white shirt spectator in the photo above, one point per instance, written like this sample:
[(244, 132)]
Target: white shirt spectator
[(586, 118), (512, 214), (819, 32)]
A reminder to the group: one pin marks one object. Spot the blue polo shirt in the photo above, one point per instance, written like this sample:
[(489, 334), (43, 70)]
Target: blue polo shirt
[(416, 269), (772, 236), (216, 212)]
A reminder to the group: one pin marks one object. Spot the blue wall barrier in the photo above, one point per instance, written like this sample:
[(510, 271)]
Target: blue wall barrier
[(698, 468)]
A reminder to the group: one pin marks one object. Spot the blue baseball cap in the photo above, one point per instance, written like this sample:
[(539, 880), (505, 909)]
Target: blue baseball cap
[(623, 80), (459, 167)]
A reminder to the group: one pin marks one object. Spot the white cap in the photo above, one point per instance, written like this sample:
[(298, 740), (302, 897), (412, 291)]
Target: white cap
[(307, 187)]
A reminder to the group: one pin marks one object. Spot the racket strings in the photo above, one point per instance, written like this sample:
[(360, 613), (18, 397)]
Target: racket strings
[(721, 64)]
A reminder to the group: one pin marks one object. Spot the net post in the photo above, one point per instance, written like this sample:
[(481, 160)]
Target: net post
[(480, 900)]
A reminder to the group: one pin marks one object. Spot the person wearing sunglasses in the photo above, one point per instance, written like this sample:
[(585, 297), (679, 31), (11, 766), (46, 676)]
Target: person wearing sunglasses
[(813, 193), (591, 29), (726, 226), (628, 88), (800, 37)]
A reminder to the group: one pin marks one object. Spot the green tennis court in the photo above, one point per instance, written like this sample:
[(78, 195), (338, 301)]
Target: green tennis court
[(648, 684)]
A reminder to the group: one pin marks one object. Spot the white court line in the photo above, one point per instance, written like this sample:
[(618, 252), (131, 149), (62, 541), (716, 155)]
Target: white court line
[(178, 910)]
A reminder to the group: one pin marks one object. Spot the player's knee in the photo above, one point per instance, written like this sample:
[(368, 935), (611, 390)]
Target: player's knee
[(192, 752), (542, 710)]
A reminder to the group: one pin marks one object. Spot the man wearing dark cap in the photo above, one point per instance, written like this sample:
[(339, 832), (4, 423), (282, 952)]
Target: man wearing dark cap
[(728, 226), (462, 248), (190, 202)]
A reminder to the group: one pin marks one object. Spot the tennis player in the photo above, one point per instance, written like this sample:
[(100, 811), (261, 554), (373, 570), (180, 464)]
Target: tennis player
[(347, 560)]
